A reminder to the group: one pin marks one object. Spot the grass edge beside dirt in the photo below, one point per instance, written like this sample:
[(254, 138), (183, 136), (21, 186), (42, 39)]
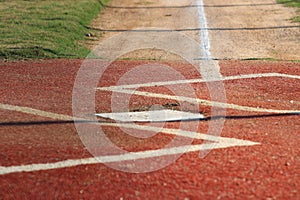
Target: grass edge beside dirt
[(292, 3), (46, 29)]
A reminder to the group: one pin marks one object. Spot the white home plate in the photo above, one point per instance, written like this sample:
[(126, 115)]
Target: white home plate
[(152, 116)]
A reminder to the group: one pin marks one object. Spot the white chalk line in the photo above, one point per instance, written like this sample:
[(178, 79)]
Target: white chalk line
[(204, 35), (122, 89), (219, 142), (36, 112), (205, 102), (223, 142), (177, 132), (115, 158), (183, 133), (124, 125), (190, 81)]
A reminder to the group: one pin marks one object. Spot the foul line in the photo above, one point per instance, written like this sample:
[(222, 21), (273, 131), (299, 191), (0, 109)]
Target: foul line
[(219, 142), (204, 31)]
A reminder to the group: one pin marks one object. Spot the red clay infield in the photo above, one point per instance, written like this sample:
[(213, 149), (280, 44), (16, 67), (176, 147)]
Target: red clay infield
[(268, 170)]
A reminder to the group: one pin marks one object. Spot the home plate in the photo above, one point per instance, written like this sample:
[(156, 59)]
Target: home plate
[(152, 116)]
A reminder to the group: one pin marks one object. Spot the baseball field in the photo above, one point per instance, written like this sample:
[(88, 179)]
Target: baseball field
[(150, 99)]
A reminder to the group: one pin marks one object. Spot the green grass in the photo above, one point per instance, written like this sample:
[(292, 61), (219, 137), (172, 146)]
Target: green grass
[(292, 3), (34, 29)]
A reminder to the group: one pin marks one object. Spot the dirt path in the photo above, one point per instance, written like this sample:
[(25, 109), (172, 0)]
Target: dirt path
[(238, 29), (253, 29)]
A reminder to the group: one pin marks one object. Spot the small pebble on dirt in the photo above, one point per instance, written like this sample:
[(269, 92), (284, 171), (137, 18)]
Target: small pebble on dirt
[(89, 35)]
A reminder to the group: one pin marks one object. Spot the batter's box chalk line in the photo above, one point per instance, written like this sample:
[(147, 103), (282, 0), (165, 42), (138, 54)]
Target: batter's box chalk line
[(218, 142), (127, 89)]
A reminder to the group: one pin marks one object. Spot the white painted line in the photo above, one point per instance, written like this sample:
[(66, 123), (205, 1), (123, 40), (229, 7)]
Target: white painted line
[(127, 125), (219, 142), (178, 132), (190, 81), (204, 36), (151, 116), (120, 158), (114, 158), (206, 102), (37, 112)]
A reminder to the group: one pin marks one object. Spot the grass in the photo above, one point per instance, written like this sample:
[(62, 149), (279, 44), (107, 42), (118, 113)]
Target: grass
[(292, 3), (34, 29)]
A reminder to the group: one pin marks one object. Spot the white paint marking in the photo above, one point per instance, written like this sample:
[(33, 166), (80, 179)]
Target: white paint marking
[(115, 158), (37, 112), (179, 132), (204, 31), (219, 142), (222, 143), (151, 116), (190, 81), (225, 143), (205, 102)]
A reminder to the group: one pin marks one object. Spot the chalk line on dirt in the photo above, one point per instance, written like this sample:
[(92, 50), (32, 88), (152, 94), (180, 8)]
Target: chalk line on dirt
[(219, 143), (190, 81), (36, 112), (206, 102), (205, 43)]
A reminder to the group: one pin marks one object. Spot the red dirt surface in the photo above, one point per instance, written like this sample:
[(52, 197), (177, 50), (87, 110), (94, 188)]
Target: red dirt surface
[(266, 171)]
